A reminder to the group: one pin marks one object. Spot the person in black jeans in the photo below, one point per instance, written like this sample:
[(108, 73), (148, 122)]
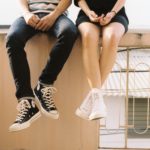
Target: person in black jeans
[(47, 18)]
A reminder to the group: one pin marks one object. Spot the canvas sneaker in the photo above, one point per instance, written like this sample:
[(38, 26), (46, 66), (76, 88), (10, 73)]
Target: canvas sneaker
[(98, 106), (85, 108), (28, 112), (44, 95)]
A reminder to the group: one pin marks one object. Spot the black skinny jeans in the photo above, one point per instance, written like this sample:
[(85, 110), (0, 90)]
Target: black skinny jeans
[(65, 32)]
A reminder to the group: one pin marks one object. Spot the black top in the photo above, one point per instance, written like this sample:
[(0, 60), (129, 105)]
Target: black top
[(102, 6)]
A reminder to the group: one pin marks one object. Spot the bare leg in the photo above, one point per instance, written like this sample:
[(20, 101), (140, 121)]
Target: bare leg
[(111, 36), (90, 47), (93, 106)]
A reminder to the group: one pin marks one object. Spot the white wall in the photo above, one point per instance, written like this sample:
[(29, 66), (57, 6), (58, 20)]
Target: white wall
[(137, 10), (9, 10)]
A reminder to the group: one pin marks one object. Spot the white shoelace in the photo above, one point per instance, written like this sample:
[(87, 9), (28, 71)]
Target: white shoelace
[(22, 107), (47, 95)]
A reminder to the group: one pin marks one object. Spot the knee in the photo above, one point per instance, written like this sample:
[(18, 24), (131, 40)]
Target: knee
[(112, 37), (87, 35), (90, 35), (10, 39), (88, 38), (13, 41), (14, 44)]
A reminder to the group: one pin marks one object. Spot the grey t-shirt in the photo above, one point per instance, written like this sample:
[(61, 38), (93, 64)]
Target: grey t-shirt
[(46, 6)]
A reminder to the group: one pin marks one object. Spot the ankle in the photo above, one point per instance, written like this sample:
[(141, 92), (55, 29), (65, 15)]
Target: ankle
[(26, 98), (44, 84)]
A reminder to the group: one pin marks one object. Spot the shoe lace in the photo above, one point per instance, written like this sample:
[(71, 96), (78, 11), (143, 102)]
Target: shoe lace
[(47, 95), (22, 107)]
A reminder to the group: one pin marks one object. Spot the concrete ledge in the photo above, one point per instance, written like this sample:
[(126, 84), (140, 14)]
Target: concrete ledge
[(69, 132), (135, 37)]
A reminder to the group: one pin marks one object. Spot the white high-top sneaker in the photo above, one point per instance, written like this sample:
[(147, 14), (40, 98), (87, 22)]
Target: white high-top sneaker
[(98, 106), (85, 108)]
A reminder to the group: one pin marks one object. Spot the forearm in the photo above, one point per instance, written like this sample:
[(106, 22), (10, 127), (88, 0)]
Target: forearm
[(83, 5), (24, 6), (119, 4), (62, 7)]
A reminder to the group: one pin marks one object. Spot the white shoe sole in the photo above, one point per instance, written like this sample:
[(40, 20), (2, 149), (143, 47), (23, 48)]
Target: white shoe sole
[(82, 115), (25, 125), (47, 114), (96, 116)]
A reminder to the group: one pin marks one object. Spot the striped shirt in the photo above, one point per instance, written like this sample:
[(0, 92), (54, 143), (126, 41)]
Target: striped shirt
[(46, 6)]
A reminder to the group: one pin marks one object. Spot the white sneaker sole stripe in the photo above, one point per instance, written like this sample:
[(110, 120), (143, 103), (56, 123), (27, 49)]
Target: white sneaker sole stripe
[(80, 114), (97, 116), (26, 124)]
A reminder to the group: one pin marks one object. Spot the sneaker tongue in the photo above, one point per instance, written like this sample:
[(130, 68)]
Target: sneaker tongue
[(31, 102), (23, 104)]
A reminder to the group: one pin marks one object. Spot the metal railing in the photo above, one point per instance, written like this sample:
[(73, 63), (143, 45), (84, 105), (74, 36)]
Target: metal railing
[(126, 92)]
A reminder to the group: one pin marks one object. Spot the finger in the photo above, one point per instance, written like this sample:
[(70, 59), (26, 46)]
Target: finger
[(94, 14), (32, 23), (38, 25), (36, 19), (101, 20), (101, 23), (107, 16), (93, 19), (96, 19), (102, 16), (105, 20), (42, 27)]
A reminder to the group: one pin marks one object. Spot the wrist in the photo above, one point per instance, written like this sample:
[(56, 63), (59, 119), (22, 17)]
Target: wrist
[(88, 12), (113, 12), (26, 13), (57, 12)]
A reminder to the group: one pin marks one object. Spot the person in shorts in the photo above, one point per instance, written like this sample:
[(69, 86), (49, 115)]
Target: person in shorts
[(106, 19)]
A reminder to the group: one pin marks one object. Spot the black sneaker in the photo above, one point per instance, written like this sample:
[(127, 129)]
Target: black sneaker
[(28, 112), (44, 94)]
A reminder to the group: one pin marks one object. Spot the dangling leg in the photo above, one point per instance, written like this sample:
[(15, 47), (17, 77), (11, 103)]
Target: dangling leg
[(66, 33), (17, 37), (90, 47), (92, 106), (111, 36)]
